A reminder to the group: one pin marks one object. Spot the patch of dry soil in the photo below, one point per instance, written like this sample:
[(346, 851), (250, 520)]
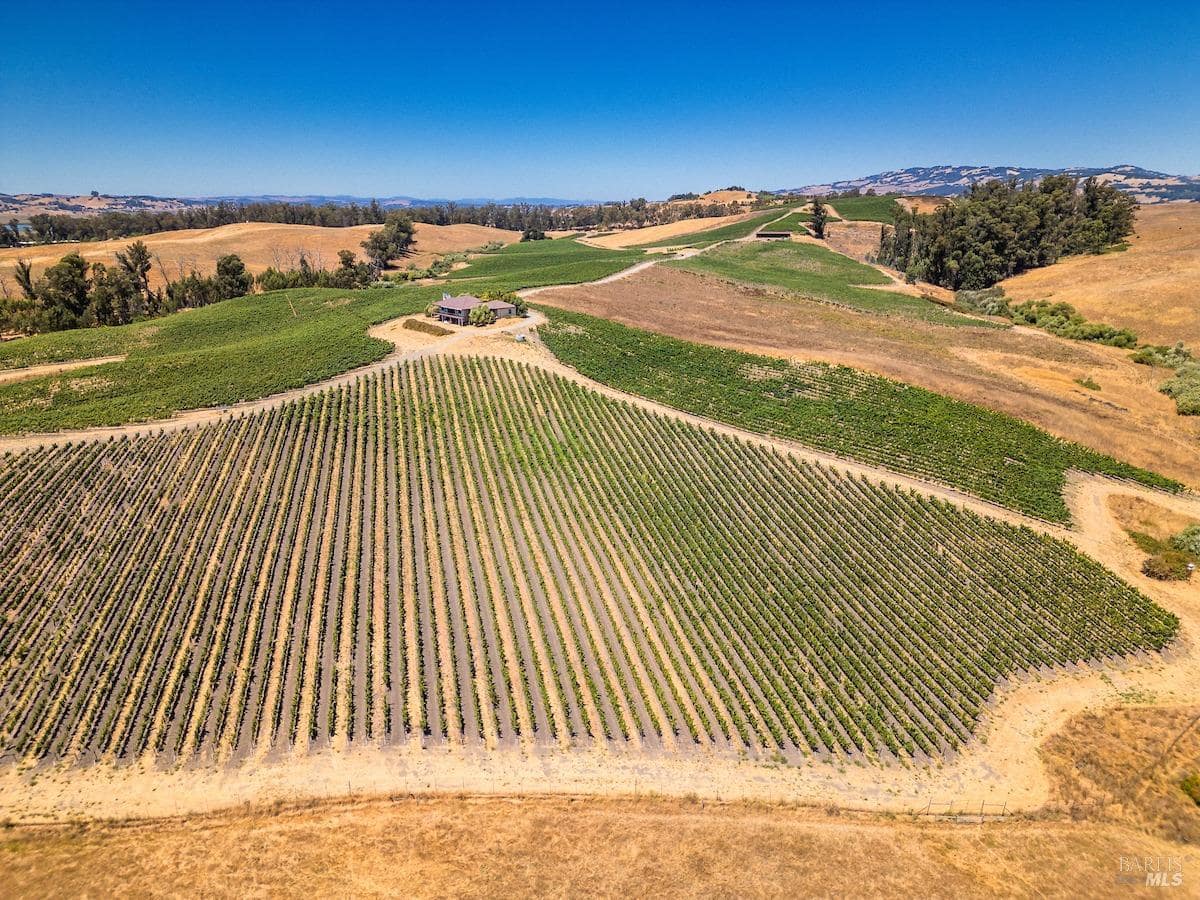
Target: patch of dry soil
[(27, 372)]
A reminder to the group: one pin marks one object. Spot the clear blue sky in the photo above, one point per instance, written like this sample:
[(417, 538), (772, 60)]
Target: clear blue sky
[(580, 100)]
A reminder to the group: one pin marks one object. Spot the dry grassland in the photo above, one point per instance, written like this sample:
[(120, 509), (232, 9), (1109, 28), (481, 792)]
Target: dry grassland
[(921, 204), (1140, 514), (1115, 796), (713, 197), (1153, 287), (636, 236), (1022, 372), (259, 244)]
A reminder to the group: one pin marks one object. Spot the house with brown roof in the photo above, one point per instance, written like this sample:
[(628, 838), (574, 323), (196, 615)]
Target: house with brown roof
[(456, 309)]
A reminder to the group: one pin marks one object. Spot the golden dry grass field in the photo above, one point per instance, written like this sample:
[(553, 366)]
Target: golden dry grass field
[(260, 245), (1116, 797), (1153, 287), (637, 236)]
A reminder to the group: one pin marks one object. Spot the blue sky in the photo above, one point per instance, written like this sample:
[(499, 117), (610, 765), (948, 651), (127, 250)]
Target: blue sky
[(598, 100)]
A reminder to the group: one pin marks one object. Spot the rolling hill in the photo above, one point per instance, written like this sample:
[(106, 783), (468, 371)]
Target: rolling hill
[(22, 206), (950, 181)]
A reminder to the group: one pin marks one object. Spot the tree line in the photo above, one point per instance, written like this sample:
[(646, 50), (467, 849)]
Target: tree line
[(74, 293), (1001, 228), (47, 228)]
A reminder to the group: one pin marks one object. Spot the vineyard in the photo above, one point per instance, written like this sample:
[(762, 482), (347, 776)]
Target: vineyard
[(539, 263), (467, 550), (841, 410), (239, 349), (812, 272), (732, 232)]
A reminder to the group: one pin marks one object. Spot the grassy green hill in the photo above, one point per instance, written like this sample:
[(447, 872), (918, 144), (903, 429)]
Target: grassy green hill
[(816, 273), (236, 350), (866, 209), (540, 263)]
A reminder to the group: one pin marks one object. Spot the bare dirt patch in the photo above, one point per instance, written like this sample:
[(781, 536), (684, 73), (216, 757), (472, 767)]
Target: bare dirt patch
[(9, 375), (260, 245), (858, 240), (921, 204), (1153, 287), (1021, 372)]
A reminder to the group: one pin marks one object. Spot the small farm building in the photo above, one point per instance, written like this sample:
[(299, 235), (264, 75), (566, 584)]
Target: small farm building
[(456, 309)]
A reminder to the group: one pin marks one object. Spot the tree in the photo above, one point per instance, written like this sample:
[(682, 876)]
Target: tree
[(10, 234), (481, 315), (63, 291), (507, 297), (820, 215), (232, 278), (135, 261), (533, 234), (24, 277), (394, 239)]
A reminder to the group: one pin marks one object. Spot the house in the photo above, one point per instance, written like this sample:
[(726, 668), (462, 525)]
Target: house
[(456, 309)]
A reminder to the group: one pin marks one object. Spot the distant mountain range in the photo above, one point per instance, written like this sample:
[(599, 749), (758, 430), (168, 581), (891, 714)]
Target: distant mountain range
[(388, 202), (950, 181), (22, 206)]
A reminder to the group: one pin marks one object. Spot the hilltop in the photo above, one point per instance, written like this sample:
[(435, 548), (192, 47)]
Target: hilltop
[(950, 181)]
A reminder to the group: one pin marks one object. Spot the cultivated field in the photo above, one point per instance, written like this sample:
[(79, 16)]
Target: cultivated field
[(1150, 288), (261, 245), (471, 551), (811, 271), (1027, 374), (740, 228)]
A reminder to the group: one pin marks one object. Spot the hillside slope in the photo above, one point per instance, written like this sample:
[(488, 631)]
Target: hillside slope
[(950, 181), (259, 244), (1153, 287)]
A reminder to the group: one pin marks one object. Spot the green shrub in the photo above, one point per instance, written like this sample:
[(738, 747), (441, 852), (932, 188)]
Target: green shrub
[(1191, 787), (1089, 382), (989, 301), (1166, 357), (1184, 389), (1188, 541), (1061, 319), (425, 327), (1170, 565)]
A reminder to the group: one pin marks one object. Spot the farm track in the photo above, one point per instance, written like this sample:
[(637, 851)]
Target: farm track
[(586, 574)]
